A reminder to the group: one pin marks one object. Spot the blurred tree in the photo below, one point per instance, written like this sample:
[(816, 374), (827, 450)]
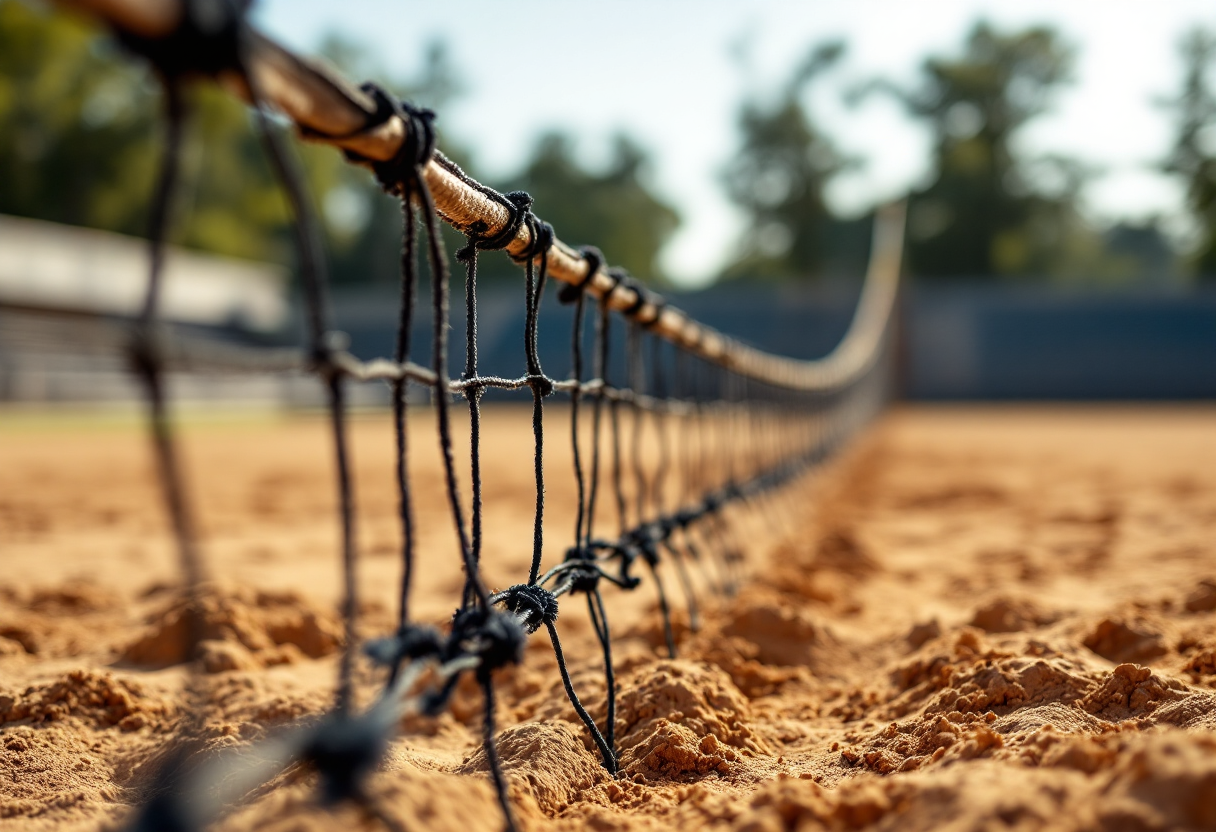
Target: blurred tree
[(987, 210), (80, 135), (1194, 153), (778, 178), (1139, 251), (80, 142), (77, 126), (615, 209)]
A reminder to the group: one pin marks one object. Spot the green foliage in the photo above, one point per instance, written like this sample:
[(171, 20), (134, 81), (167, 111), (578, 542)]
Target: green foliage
[(614, 209), (78, 136), (81, 142), (1193, 156), (986, 211), (777, 178)]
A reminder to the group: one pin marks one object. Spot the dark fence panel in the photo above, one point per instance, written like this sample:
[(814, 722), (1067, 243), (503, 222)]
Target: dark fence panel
[(969, 342), (1022, 343)]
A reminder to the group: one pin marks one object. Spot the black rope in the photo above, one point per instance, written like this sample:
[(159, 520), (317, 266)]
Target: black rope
[(599, 619), (497, 775), (472, 394), (606, 752), (583, 575), (582, 518), (540, 240), (603, 324), (401, 176), (146, 363)]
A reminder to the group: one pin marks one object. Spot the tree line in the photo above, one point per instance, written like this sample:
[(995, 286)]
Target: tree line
[(80, 132)]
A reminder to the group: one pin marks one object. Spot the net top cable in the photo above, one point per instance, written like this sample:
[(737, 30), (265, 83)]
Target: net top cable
[(327, 108)]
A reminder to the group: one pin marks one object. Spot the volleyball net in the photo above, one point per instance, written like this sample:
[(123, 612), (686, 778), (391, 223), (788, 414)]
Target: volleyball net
[(672, 424)]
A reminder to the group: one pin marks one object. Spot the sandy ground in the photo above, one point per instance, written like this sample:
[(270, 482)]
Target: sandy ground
[(976, 618)]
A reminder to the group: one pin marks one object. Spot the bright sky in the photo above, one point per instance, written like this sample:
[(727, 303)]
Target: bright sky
[(662, 71)]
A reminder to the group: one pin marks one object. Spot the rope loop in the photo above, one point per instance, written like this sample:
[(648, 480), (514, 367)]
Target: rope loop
[(540, 238), (641, 294), (626, 553), (412, 641), (628, 557), (584, 574), (658, 303), (398, 175), (537, 605), (519, 206), (594, 259), (496, 638), (643, 540), (617, 275)]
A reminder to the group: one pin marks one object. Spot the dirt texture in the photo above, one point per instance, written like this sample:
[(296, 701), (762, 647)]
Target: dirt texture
[(974, 618)]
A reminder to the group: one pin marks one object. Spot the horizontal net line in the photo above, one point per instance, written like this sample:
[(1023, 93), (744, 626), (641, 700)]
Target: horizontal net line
[(328, 108), (194, 355)]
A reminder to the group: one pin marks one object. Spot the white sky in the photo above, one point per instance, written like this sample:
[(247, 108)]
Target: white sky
[(661, 70)]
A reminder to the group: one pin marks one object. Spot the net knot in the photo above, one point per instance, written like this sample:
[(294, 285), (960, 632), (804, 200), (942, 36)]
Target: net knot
[(584, 574), (209, 39), (541, 384), (643, 540), (642, 295), (540, 237), (495, 638), (324, 357), (595, 261), (628, 555), (659, 304), (345, 749), (398, 174), (413, 641), (686, 517), (519, 207), (536, 604)]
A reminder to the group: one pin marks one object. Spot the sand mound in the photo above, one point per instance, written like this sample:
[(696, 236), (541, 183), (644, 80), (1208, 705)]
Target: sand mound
[(548, 760), (57, 743), (1143, 782), (95, 699), (55, 772), (682, 718), (740, 659), (1010, 615), (241, 630), (1133, 639), (780, 633)]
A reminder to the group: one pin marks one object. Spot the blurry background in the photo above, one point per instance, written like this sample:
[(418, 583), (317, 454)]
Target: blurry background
[(1060, 159)]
